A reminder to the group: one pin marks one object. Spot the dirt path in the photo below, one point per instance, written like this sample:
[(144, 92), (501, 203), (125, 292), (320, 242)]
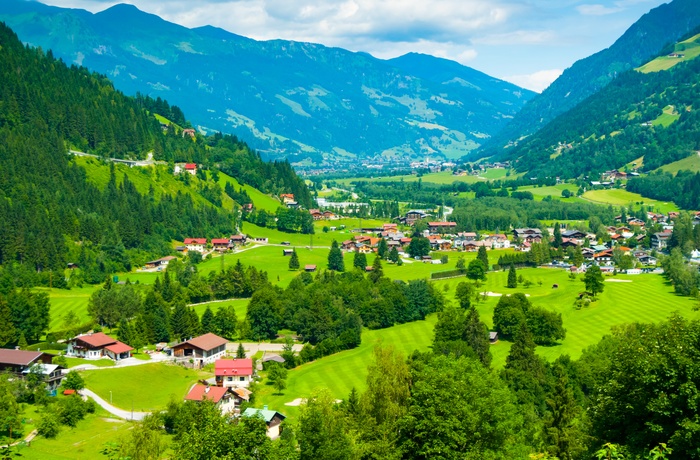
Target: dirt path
[(125, 414)]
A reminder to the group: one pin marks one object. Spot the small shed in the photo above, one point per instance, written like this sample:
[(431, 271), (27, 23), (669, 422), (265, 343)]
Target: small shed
[(493, 337), (287, 252), (310, 268)]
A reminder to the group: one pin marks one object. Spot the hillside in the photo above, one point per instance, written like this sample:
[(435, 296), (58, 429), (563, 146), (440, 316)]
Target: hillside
[(57, 208), (651, 115), (320, 105), (645, 39)]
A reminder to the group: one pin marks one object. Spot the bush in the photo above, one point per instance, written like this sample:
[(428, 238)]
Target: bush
[(49, 425), (448, 274)]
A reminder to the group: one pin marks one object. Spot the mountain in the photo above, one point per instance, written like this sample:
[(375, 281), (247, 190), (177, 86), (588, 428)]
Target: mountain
[(648, 116), (660, 27), (318, 104)]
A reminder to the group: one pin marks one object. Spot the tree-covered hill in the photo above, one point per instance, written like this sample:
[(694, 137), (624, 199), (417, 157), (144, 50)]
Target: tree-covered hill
[(660, 27), (51, 213), (651, 115)]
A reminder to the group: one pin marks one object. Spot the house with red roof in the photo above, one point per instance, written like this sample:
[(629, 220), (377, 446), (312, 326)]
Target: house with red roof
[(220, 244), (442, 227), (195, 244), (191, 168), (200, 350), (96, 346), (218, 395), (233, 373)]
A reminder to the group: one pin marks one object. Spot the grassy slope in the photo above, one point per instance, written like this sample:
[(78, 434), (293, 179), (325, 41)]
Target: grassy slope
[(441, 178), (260, 200), (647, 298), (554, 191), (149, 387), (690, 49), (691, 163), (618, 197)]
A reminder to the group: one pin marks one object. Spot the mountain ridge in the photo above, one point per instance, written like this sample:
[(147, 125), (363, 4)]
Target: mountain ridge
[(320, 105)]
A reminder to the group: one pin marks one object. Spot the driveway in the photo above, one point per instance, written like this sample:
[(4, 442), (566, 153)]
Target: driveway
[(125, 414), (253, 347), (155, 358)]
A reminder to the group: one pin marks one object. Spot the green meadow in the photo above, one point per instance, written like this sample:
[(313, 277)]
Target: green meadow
[(439, 178), (690, 49), (144, 388), (619, 197), (540, 193), (640, 298), (691, 163)]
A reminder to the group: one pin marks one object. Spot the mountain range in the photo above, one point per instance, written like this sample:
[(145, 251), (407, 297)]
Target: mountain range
[(317, 105)]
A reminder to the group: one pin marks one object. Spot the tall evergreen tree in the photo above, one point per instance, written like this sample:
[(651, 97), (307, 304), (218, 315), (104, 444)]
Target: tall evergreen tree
[(557, 242), (335, 258), (382, 248), (512, 277), (476, 334), (208, 322), (359, 260), (483, 257), (294, 260), (377, 273)]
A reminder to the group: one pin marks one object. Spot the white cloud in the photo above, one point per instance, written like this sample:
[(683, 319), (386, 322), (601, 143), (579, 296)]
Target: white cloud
[(597, 10), (538, 81)]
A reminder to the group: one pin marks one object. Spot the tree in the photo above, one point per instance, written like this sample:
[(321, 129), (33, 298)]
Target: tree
[(240, 351), (145, 442), (335, 258), (419, 247), (208, 322), (322, 430), (48, 425), (512, 277), (294, 260), (382, 248), (476, 270), (451, 413), (394, 255), (225, 321), (377, 273), (359, 260), (557, 242), (561, 433), (464, 294), (476, 334), (460, 263), (73, 381), (483, 257), (578, 257), (263, 313), (594, 280), (277, 376)]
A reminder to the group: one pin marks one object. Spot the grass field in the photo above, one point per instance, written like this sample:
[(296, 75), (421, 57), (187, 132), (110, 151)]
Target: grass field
[(440, 178), (148, 387), (240, 305), (619, 197), (667, 118), (690, 49), (84, 442), (554, 191), (691, 163), (645, 298), (260, 200)]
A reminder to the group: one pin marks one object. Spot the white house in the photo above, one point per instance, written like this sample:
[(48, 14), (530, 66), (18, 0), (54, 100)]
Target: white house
[(233, 373)]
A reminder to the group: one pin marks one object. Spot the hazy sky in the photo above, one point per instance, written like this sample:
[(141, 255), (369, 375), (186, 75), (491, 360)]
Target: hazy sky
[(527, 42)]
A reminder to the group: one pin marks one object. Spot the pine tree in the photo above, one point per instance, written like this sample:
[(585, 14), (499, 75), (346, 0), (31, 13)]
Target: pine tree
[(512, 277), (394, 255), (476, 335), (560, 431), (557, 236), (22, 342), (208, 321), (483, 257), (7, 328), (335, 258), (359, 260), (126, 332), (294, 260), (382, 248), (240, 352), (377, 273)]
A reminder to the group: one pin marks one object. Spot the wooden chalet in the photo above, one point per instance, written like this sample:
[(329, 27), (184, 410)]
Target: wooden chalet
[(201, 350)]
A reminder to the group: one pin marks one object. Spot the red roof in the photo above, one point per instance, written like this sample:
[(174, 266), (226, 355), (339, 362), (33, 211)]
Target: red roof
[(309, 267), (118, 348), (201, 392), (227, 367), (442, 224), (219, 241), (190, 166), (195, 241), (96, 340)]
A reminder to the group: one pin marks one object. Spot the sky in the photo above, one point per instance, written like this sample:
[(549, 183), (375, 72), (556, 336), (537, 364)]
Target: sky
[(526, 42)]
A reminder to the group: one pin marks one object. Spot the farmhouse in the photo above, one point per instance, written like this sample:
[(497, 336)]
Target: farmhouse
[(531, 235), (162, 262), (412, 216), (195, 244), (220, 244), (660, 240), (316, 214), (22, 362), (442, 227), (96, 346), (233, 373), (272, 418), (218, 395), (497, 241), (201, 350), (191, 168)]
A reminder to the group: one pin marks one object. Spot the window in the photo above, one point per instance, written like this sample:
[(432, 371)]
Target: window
[(230, 379), (242, 379)]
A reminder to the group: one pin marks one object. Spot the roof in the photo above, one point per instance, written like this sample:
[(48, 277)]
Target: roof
[(97, 340), (118, 348), (45, 369), (18, 357), (237, 237), (226, 367), (242, 393), (219, 241), (309, 267), (206, 342), (275, 358), (201, 392), (190, 165), (442, 224), (267, 414), (195, 241)]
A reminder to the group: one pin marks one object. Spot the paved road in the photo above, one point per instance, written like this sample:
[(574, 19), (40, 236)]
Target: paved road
[(125, 414), (253, 347), (155, 358)]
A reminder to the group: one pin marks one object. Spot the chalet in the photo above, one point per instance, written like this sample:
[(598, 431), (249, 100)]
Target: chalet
[(241, 395), (413, 216), (442, 227), (201, 350), (531, 235), (195, 244), (636, 222), (232, 373), (569, 243), (248, 207), (287, 198), (673, 215), (287, 252), (316, 214), (647, 259), (96, 346), (191, 168), (660, 240), (310, 268), (328, 215), (188, 132), (497, 241), (603, 255), (162, 262), (575, 234), (220, 244), (272, 418), (238, 240), (588, 253), (468, 236), (22, 362), (405, 241), (260, 240), (218, 395), (363, 248), (292, 204), (390, 227), (348, 245)]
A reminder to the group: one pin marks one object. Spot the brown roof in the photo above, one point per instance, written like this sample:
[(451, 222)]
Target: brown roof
[(96, 340), (205, 342), (18, 357), (201, 392), (118, 348)]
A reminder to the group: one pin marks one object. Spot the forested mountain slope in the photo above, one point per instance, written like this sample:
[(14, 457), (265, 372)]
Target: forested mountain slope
[(51, 214), (660, 27), (286, 98), (654, 115)]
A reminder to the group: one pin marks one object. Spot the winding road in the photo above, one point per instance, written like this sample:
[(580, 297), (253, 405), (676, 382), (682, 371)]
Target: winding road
[(125, 414)]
